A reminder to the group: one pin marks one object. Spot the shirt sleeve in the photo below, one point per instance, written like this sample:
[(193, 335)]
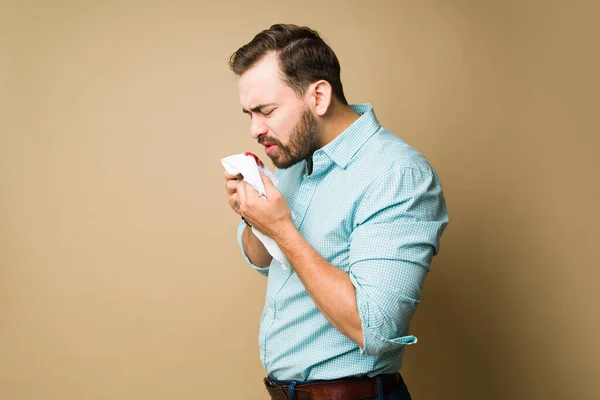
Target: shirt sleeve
[(263, 270), (397, 230)]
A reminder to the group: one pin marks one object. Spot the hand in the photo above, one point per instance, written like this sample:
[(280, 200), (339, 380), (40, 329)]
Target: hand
[(269, 214), (231, 185)]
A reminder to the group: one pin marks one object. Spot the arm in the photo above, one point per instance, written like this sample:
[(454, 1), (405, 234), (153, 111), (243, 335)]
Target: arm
[(328, 286), (397, 229), (396, 233), (254, 249)]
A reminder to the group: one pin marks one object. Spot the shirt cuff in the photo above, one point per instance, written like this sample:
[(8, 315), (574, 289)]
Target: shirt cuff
[(263, 270), (376, 333)]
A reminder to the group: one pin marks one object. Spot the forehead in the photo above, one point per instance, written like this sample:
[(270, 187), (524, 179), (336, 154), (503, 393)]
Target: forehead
[(263, 83)]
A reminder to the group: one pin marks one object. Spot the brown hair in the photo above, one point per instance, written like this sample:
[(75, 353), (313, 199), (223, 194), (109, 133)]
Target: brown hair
[(303, 55)]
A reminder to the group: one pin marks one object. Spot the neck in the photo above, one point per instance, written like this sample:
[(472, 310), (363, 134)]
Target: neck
[(338, 118)]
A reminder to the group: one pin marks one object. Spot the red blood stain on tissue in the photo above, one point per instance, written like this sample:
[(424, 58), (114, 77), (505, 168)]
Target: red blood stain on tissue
[(258, 162)]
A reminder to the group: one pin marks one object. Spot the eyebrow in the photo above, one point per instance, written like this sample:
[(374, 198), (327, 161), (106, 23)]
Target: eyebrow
[(257, 108)]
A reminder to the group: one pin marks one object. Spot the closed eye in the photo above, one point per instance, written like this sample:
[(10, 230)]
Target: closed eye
[(259, 109)]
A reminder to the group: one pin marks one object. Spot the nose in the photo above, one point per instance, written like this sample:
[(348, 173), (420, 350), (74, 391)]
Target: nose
[(258, 127)]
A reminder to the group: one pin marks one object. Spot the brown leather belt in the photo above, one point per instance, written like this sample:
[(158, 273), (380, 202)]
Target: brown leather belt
[(346, 389)]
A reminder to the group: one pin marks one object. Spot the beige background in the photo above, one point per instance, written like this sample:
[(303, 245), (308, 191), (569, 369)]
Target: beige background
[(119, 273)]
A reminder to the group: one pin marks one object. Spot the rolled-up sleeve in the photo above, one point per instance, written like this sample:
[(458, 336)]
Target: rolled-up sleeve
[(397, 230), (263, 270)]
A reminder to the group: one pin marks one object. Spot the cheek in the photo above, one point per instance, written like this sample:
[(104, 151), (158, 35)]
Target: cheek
[(281, 128)]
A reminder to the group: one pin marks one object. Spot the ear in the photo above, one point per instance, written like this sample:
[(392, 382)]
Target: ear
[(320, 95)]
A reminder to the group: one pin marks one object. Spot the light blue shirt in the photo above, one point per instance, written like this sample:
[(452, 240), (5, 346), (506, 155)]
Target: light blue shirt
[(374, 208)]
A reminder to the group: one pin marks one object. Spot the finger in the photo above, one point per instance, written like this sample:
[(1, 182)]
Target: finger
[(242, 194), (232, 186), (233, 199), (233, 177), (267, 183)]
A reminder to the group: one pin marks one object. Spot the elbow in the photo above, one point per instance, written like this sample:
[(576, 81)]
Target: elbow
[(378, 343)]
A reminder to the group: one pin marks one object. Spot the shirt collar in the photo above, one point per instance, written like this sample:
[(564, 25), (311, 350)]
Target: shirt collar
[(341, 149)]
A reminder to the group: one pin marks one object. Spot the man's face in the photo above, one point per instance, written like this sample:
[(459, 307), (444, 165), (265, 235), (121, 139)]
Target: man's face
[(280, 119)]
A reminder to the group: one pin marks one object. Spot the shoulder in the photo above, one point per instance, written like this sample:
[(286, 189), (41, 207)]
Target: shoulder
[(388, 156)]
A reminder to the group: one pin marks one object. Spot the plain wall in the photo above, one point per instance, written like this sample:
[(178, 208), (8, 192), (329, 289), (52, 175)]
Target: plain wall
[(120, 277)]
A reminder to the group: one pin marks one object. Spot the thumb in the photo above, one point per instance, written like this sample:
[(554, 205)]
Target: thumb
[(267, 182)]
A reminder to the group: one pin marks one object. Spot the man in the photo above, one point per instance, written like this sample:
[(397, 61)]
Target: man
[(357, 212)]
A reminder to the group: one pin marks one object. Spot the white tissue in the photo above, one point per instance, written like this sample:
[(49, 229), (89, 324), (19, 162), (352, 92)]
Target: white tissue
[(250, 170)]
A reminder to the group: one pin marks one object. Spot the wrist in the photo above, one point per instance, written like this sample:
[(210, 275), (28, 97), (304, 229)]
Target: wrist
[(286, 229)]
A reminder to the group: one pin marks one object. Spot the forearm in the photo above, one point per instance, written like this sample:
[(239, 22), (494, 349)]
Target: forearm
[(328, 286), (254, 249)]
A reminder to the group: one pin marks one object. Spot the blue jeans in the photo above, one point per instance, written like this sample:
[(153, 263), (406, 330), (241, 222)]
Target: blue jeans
[(399, 393)]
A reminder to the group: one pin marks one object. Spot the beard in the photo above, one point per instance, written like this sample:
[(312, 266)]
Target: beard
[(303, 142)]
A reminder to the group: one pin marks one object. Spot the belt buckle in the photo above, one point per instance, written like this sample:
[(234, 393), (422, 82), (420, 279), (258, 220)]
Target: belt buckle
[(270, 383), (277, 392)]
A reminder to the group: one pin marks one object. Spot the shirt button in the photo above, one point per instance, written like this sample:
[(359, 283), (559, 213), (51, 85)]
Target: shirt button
[(284, 267), (271, 312)]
